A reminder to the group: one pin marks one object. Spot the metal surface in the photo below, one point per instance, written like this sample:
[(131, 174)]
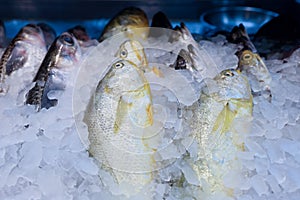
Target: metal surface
[(225, 18)]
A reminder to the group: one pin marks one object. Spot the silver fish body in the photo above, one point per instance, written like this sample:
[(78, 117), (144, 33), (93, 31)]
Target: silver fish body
[(28, 46), (251, 65), (53, 72), (118, 118), (224, 103)]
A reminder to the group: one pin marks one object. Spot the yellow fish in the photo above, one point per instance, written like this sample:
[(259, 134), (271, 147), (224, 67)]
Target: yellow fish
[(118, 117), (132, 21), (224, 104)]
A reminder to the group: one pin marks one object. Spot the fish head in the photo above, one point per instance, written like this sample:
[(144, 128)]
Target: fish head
[(131, 21), (232, 84), (124, 76), (183, 61), (80, 33), (161, 20), (252, 64), (49, 33), (133, 51), (69, 49), (32, 34)]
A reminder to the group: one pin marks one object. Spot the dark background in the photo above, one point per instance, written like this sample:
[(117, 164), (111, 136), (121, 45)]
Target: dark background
[(93, 9)]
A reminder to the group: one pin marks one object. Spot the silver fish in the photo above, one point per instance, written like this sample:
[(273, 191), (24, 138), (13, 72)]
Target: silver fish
[(251, 65), (195, 58), (128, 21), (60, 59), (224, 103), (28, 44), (49, 33), (118, 117)]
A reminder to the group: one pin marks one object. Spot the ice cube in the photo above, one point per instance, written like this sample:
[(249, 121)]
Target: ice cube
[(275, 154), (259, 185), (255, 148), (31, 153), (189, 174), (274, 186)]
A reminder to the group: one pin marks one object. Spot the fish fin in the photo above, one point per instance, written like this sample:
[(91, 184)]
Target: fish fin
[(157, 72), (122, 111), (224, 120)]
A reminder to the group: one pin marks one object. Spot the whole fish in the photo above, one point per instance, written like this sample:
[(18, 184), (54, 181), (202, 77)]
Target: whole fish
[(53, 72), (119, 118), (258, 74), (128, 20), (49, 33), (251, 64), (224, 102), (28, 46)]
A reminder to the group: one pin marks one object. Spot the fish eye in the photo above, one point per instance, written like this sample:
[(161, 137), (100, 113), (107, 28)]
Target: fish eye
[(123, 53), (124, 29), (247, 56), (118, 65), (229, 73), (67, 40)]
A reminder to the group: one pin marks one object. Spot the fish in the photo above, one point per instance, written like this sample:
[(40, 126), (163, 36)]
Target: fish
[(239, 35), (225, 102), (198, 61), (52, 75), (79, 33), (132, 21), (83, 38), (133, 51), (118, 118), (3, 39), (251, 65), (49, 33), (161, 20), (28, 46)]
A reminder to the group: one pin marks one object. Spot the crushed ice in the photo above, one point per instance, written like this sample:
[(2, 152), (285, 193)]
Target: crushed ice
[(42, 156)]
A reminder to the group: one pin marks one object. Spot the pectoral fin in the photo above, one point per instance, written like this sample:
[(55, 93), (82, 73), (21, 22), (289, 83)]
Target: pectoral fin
[(121, 113), (224, 120)]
